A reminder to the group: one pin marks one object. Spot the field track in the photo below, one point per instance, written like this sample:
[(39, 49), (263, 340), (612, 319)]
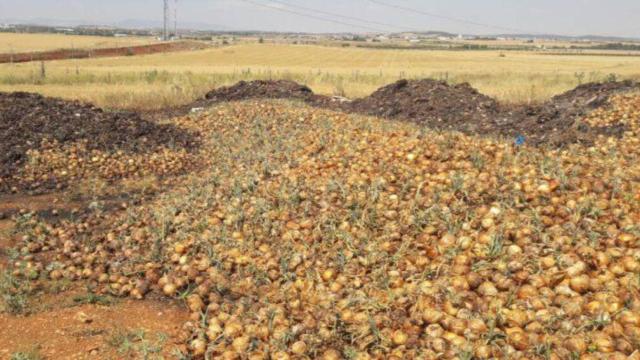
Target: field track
[(63, 54)]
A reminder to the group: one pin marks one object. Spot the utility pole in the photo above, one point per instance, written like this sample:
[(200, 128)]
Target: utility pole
[(167, 20), (175, 18)]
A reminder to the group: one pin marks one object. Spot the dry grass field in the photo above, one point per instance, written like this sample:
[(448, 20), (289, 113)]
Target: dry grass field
[(155, 81), (17, 43)]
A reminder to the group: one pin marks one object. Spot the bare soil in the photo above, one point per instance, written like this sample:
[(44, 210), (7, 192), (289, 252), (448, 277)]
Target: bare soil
[(63, 329), (263, 89), (434, 103)]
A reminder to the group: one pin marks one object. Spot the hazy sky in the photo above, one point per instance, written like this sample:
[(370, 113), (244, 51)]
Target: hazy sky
[(569, 17)]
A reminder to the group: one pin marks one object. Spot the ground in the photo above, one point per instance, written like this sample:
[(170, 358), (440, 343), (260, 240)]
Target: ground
[(66, 327)]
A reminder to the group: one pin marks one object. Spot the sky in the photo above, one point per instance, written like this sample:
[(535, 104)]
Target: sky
[(564, 17)]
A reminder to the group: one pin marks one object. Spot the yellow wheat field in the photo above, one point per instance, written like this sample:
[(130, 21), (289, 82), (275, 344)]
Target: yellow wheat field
[(147, 82), (10, 42)]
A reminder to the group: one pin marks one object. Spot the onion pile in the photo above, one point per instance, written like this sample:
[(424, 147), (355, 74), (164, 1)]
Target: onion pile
[(55, 164), (314, 234)]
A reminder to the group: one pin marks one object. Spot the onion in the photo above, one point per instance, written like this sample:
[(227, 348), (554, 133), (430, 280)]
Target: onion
[(517, 338), (580, 284), (241, 344), (195, 303), (399, 337), (487, 289), (198, 346), (331, 354), (434, 331), (299, 348), (576, 344), (603, 343), (169, 289)]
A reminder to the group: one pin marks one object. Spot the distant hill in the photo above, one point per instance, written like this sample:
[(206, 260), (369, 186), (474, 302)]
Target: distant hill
[(44, 22), (143, 24), (134, 24), (568, 37)]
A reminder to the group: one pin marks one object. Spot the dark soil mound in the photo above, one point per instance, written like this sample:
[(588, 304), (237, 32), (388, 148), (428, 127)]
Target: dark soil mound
[(27, 119), (261, 89), (461, 107), (433, 103), (593, 95), (557, 121)]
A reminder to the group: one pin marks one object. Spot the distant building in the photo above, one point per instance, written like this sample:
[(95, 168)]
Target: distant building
[(120, 35)]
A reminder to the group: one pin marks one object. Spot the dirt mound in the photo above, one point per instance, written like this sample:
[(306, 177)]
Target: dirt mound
[(261, 89), (593, 95), (28, 120), (439, 105), (433, 103), (558, 121)]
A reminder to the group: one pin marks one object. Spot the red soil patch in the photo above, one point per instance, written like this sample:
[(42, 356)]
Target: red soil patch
[(65, 331), (13, 203), (107, 52)]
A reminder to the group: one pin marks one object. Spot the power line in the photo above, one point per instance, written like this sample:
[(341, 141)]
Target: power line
[(459, 20), (342, 16), (313, 16)]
